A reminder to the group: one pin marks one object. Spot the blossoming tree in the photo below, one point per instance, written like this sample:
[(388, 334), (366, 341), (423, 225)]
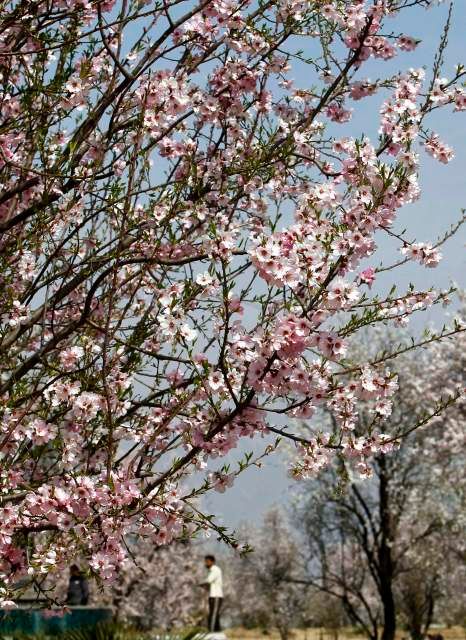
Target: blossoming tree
[(158, 586), (388, 547), (264, 592), (184, 246)]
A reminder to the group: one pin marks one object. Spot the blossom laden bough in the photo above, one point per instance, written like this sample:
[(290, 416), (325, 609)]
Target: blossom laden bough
[(184, 255)]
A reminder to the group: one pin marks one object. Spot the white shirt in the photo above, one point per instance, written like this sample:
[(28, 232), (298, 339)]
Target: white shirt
[(215, 582)]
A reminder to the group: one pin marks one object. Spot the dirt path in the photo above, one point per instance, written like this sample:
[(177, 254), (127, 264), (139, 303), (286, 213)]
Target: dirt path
[(453, 633)]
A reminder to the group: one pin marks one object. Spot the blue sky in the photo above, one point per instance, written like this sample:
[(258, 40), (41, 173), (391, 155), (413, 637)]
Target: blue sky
[(443, 198)]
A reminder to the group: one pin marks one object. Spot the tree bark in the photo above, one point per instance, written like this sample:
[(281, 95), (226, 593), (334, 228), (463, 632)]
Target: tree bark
[(385, 556)]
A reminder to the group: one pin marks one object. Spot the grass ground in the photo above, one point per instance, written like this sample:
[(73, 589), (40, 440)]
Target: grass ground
[(452, 633)]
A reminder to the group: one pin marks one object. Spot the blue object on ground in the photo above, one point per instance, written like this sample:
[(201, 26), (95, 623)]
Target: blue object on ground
[(38, 621)]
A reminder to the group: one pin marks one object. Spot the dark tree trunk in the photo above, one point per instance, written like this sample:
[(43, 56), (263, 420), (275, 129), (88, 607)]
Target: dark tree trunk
[(430, 613), (389, 612), (385, 556), (421, 612)]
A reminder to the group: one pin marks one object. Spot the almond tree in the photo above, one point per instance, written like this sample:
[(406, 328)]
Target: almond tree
[(185, 252), (157, 585), (434, 568), (387, 547), (264, 592)]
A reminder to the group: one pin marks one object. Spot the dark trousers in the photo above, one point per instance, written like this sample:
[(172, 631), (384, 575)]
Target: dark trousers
[(215, 604)]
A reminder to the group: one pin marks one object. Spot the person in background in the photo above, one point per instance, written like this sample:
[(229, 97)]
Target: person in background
[(214, 585), (78, 588)]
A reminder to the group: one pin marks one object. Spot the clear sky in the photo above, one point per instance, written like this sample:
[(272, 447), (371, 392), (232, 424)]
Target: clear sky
[(443, 198)]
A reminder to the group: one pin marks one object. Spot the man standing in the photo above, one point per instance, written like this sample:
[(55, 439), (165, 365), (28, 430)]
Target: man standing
[(78, 588), (214, 584)]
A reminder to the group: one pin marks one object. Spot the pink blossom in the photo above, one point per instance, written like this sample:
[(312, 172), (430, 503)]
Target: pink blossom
[(407, 43), (460, 101), (438, 149), (422, 252), (86, 405), (368, 276), (70, 357)]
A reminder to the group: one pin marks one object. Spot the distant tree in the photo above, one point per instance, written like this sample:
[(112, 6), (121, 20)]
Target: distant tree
[(265, 594), (383, 545), (325, 611), (158, 585)]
